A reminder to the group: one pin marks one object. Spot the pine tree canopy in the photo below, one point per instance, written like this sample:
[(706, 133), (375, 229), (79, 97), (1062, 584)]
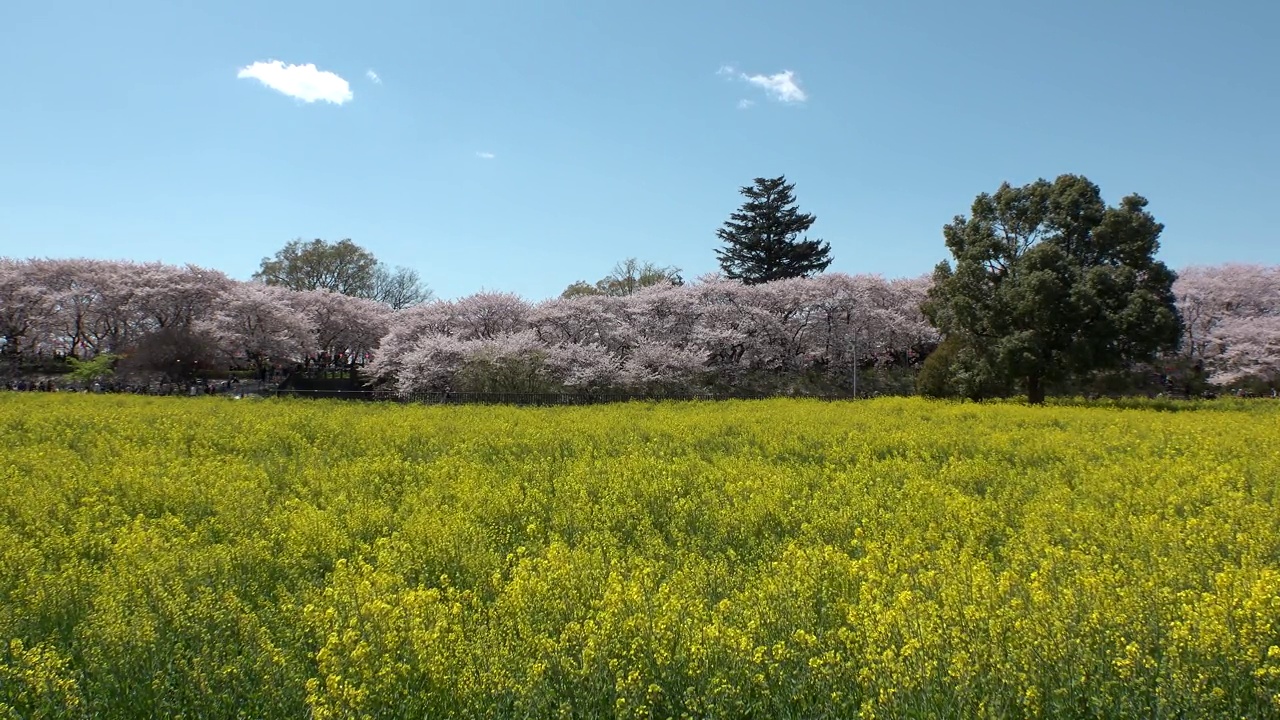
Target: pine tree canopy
[(761, 238)]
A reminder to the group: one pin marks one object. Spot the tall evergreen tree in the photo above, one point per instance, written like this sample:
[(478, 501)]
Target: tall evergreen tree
[(761, 237)]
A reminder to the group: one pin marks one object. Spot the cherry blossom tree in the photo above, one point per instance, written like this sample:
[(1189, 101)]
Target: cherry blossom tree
[(888, 318), (585, 366), (259, 324), (165, 296), (161, 306), (1229, 320), (487, 315), (408, 330), (659, 314), (24, 308), (479, 316), (85, 307), (345, 326), (660, 367), (578, 320), (430, 364), (805, 326), (74, 290), (660, 338), (510, 362), (1245, 348)]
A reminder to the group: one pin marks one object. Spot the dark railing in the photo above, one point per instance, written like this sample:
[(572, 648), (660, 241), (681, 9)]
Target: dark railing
[(193, 389), (536, 398)]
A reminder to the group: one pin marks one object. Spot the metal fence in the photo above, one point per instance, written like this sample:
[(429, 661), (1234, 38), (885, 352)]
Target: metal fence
[(185, 389), (531, 398)]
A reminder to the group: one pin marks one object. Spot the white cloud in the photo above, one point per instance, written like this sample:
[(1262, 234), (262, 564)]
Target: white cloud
[(782, 87), (303, 82), (373, 76), (779, 86), (485, 155)]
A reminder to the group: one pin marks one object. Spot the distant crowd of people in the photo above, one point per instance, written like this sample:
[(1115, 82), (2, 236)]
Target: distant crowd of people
[(233, 386)]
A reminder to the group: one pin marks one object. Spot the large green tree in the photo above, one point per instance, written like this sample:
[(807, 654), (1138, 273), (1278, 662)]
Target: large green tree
[(762, 238), (626, 278), (342, 267), (1050, 283), (400, 287)]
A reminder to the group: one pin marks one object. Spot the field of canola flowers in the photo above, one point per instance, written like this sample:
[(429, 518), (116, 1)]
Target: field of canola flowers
[(782, 559)]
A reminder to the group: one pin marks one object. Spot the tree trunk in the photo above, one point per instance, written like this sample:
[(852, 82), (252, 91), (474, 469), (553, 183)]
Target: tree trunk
[(1035, 390)]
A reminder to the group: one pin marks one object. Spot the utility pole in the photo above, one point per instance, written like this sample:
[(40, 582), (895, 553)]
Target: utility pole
[(855, 364)]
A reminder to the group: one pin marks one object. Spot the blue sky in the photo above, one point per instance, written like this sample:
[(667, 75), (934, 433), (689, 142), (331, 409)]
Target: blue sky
[(614, 130)]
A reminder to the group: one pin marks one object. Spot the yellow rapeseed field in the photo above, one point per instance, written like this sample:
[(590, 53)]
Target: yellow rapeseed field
[(205, 558)]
